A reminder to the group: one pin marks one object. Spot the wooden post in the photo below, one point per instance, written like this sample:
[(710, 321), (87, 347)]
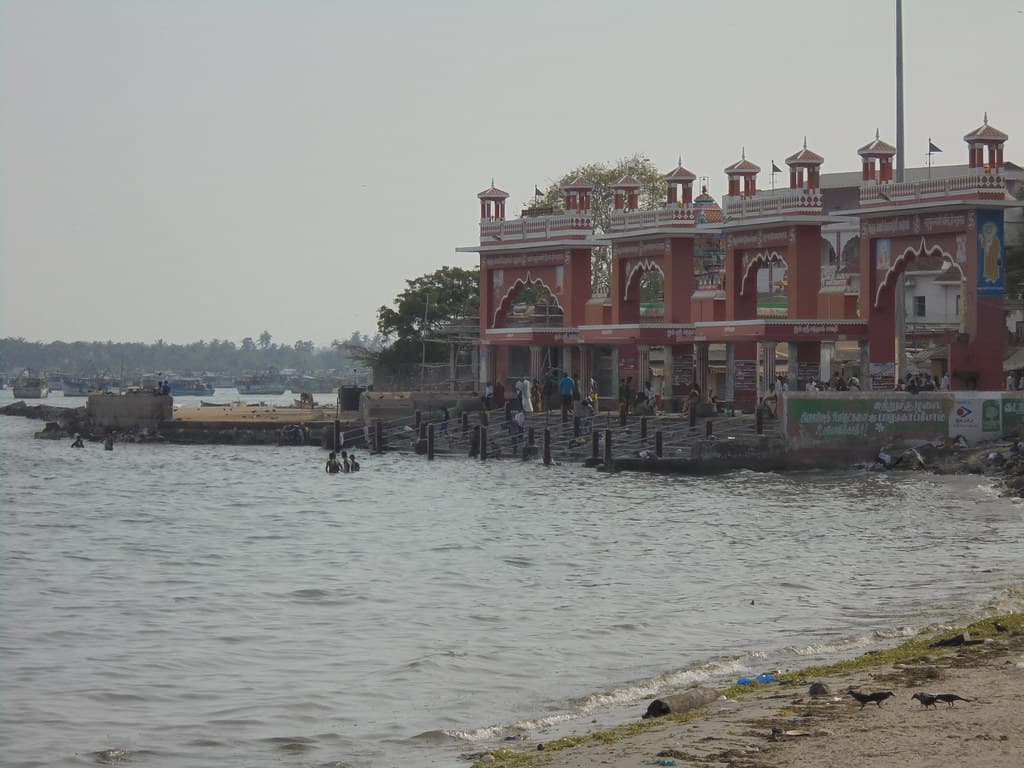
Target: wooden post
[(623, 410), (423, 430), (657, 444), (547, 447), (483, 443), (759, 421), (595, 445), (707, 428), (378, 435), (607, 447), (693, 414), (430, 442), (531, 437), (643, 427), (465, 422), (419, 420), (576, 426)]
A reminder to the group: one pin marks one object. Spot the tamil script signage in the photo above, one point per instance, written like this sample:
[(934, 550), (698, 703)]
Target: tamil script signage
[(814, 419)]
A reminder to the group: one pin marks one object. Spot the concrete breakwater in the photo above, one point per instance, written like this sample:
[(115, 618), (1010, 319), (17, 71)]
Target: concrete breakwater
[(248, 426)]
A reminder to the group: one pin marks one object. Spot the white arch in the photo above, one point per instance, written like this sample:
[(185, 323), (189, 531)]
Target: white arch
[(922, 250), (522, 283), (643, 265), (760, 260)]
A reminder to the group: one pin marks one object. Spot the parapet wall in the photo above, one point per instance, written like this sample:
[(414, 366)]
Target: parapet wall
[(129, 411), (860, 420)]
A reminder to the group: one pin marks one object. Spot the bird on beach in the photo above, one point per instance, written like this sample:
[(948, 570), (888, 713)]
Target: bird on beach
[(866, 698), (950, 698), (926, 699)]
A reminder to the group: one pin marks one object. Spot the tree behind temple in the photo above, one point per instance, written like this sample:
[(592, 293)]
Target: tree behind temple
[(653, 191)]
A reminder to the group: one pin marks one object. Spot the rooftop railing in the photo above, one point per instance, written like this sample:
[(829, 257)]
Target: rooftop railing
[(773, 203), (980, 183)]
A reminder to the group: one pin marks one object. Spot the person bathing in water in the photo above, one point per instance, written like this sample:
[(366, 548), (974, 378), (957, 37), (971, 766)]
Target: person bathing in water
[(333, 466)]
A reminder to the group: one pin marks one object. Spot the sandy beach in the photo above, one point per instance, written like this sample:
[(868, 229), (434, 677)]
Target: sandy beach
[(833, 729)]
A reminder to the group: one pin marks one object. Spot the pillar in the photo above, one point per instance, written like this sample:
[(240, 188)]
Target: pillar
[(767, 378), (486, 364), (678, 370), (643, 365), (741, 374), (583, 376), (828, 354), (804, 363), (700, 367), (536, 357)]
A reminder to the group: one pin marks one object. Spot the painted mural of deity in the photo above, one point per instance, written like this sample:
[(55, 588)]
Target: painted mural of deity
[(991, 262), (883, 254), (991, 251)]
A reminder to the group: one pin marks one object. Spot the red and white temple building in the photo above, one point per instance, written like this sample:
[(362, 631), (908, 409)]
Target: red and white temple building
[(773, 280)]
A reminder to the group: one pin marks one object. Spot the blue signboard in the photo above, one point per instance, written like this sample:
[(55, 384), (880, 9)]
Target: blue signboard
[(991, 254)]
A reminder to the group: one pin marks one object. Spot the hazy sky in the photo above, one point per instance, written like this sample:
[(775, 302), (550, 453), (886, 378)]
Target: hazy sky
[(209, 169)]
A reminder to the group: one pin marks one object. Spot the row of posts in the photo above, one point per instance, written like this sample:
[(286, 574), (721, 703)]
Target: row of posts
[(426, 432)]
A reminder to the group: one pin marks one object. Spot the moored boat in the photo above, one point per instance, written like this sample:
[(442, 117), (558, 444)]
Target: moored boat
[(190, 386), (30, 387), (260, 384), (75, 386)]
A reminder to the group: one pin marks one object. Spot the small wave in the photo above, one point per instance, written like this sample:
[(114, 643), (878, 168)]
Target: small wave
[(310, 594), (435, 737), (291, 743), (117, 755)]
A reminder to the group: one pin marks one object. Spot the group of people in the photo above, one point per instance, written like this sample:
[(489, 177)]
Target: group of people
[(924, 382), (528, 395), (108, 442), (642, 397), (347, 463)]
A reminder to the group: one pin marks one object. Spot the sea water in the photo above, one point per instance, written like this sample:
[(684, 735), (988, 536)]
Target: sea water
[(216, 605)]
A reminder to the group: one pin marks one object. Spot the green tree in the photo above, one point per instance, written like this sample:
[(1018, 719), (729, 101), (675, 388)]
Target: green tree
[(429, 304), (653, 192), (265, 338)]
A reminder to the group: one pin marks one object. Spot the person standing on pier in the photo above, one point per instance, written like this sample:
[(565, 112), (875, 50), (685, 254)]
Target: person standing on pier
[(567, 386)]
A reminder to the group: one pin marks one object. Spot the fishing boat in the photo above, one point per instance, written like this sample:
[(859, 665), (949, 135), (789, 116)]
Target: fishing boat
[(190, 386), (30, 387), (260, 384), (75, 386)]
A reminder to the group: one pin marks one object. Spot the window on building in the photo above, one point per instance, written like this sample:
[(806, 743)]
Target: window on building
[(919, 306)]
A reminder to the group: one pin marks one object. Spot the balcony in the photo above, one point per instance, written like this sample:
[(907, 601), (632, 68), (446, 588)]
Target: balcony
[(976, 185), (773, 203)]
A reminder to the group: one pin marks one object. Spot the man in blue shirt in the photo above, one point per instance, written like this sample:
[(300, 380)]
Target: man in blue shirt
[(566, 386)]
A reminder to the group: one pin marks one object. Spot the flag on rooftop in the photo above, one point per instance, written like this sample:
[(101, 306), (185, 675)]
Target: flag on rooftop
[(932, 147), (775, 168), (537, 192)]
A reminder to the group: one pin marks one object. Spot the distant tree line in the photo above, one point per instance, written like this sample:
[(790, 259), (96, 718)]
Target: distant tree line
[(217, 355)]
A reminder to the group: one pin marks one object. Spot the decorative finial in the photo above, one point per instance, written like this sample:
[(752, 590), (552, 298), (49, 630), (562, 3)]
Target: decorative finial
[(876, 134), (492, 182), (805, 142), (680, 163), (986, 117), (743, 153)]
